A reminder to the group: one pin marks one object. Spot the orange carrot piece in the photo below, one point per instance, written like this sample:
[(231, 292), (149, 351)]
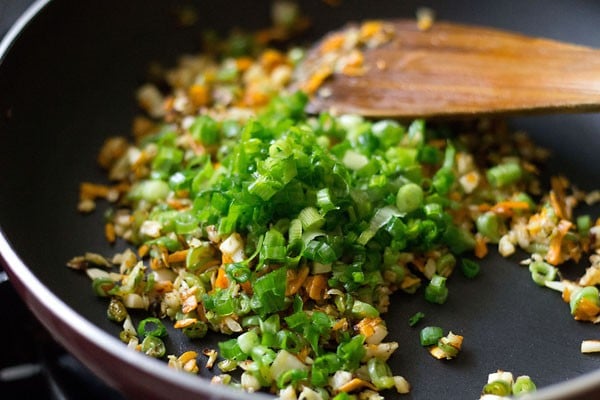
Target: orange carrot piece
[(109, 232), (177, 257), (554, 255), (243, 63), (317, 79), (356, 384), (88, 190), (222, 281), (316, 286), (481, 248), (370, 29), (295, 279), (143, 250), (271, 58), (508, 207), (199, 95), (332, 43), (586, 310)]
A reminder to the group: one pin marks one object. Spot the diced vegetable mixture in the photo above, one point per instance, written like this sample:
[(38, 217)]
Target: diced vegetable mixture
[(290, 231)]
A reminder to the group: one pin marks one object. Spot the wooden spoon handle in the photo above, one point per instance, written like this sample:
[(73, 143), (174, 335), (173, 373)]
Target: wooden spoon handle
[(465, 70)]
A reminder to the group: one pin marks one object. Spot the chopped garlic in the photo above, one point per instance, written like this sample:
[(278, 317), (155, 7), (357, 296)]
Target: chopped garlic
[(383, 351), (339, 379), (401, 384), (249, 382)]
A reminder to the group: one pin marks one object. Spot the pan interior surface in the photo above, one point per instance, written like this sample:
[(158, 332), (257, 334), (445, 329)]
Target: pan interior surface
[(68, 82)]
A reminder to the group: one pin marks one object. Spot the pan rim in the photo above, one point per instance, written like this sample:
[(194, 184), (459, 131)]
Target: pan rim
[(35, 293)]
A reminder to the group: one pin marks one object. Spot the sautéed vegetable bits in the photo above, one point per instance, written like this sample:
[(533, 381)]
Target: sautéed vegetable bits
[(290, 231)]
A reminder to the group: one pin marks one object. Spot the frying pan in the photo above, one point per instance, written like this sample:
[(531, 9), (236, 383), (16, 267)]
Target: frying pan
[(67, 77)]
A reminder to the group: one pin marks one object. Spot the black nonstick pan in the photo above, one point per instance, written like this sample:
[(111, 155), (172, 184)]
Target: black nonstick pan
[(68, 73)]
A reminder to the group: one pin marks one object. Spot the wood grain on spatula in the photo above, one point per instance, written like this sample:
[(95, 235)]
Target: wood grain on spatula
[(455, 69)]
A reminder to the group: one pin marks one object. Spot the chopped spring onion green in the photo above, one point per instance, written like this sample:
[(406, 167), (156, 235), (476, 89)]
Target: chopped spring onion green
[(542, 272), (498, 388), (489, 225), (523, 384), (103, 286), (436, 291), (380, 373), (469, 268), (409, 197), (504, 174), (416, 318), (430, 335)]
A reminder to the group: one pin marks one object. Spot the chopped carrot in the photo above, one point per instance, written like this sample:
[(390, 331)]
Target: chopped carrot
[(222, 281), (409, 281), (189, 302), (340, 324), (243, 63), (303, 354), (271, 59), (199, 95), (332, 43), (317, 79), (254, 97), (554, 255), (177, 257), (316, 286), (508, 207), (183, 323), (143, 250), (370, 29), (536, 222), (354, 62), (356, 384), (566, 295), (587, 310), (155, 264), (419, 262), (178, 204), (557, 204), (557, 196), (481, 248), (366, 326), (295, 280), (187, 356), (163, 287), (109, 232), (350, 70), (88, 190)]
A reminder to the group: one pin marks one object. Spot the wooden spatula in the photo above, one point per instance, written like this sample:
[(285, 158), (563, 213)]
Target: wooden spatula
[(450, 70)]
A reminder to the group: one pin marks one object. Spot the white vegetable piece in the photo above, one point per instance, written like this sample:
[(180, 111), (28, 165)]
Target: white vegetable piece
[(590, 346), (285, 361)]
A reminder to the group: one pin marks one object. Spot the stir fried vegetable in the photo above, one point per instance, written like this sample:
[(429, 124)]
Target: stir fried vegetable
[(502, 384), (290, 232)]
